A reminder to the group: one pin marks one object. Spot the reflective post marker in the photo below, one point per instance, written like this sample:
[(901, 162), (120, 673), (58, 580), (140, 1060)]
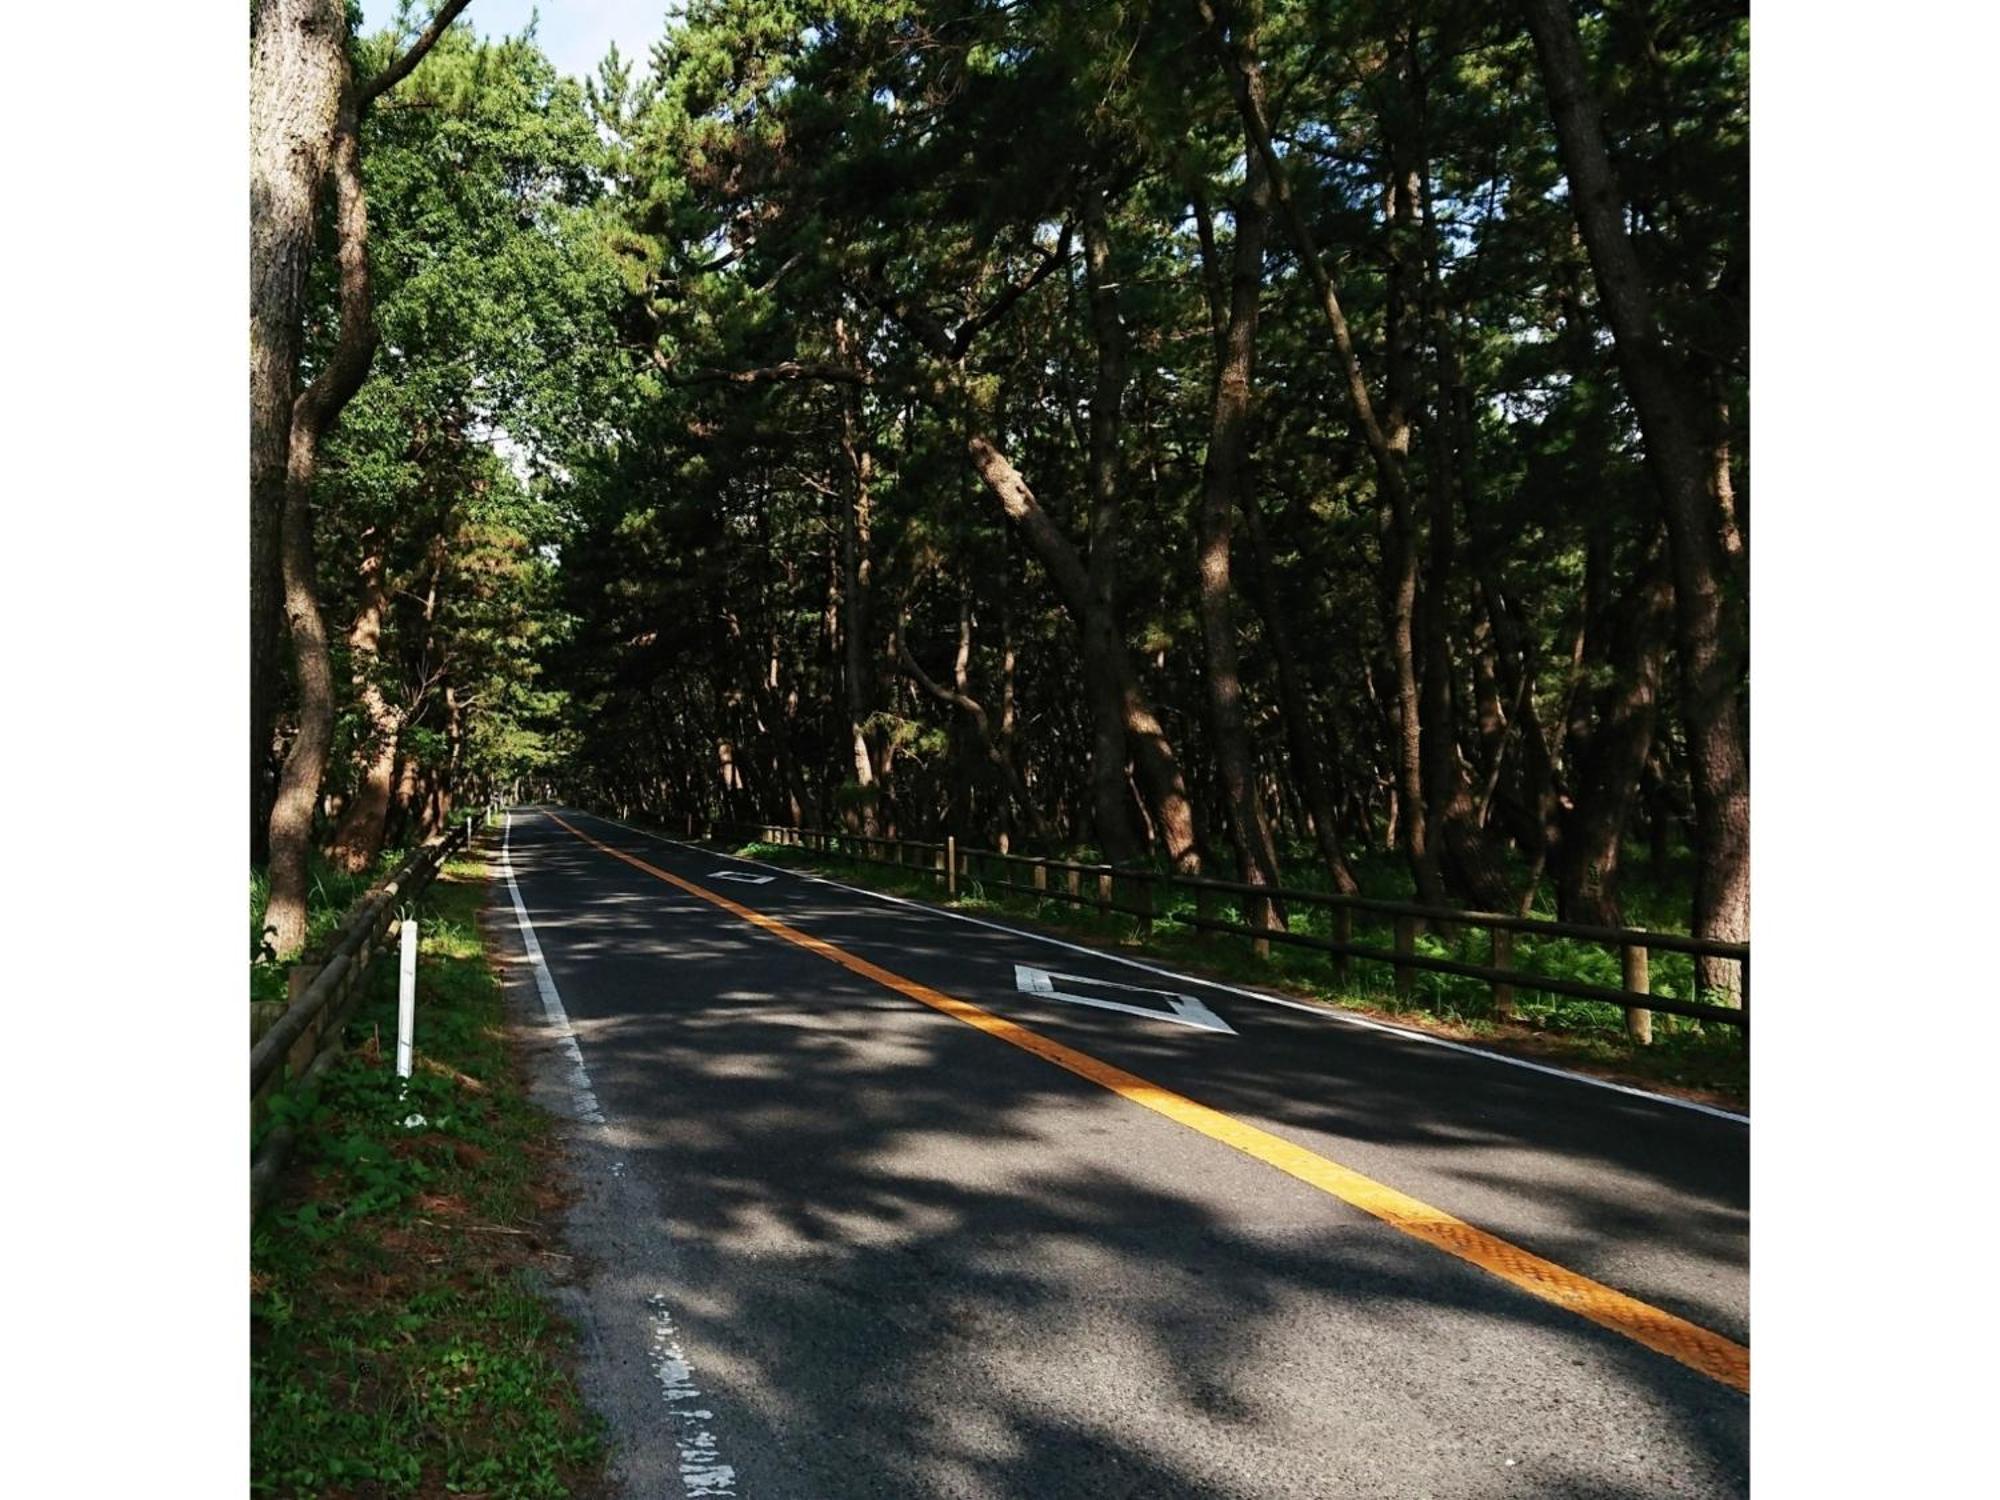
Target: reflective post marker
[(406, 1001)]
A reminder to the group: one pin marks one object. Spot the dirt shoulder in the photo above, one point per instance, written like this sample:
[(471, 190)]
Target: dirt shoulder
[(406, 1330)]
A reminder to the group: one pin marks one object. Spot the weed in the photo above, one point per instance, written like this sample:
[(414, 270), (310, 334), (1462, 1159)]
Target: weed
[(397, 1350)]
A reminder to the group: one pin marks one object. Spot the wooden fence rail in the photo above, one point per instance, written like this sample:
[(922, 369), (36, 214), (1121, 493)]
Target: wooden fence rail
[(292, 1044), (1101, 886)]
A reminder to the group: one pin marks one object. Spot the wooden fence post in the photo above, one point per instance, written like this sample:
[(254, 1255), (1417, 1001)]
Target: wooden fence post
[(1259, 910), (951, 865), (298, 979), (1406, 942), (1104, 893), (1503, 958), (1638, 981), (1343, 932), (1145, 904), (1073, 881), (1041, 878)]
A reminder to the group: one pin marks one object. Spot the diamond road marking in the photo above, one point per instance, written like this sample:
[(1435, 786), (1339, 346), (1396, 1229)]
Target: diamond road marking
[(1185, 1009), (742, 876)]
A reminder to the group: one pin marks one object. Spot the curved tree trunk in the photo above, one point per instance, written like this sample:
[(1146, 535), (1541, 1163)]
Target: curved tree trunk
[(314, 412), (1387, 436), (298, 58), (1153, 757), (1711, 640), (1103, 644), (1221, 493), (1295, 703), (990, 746), (302, 95), (1609, 774), (357, 839)]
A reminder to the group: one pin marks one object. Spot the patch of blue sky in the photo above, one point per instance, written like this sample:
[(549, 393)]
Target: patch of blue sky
[(575, 34)]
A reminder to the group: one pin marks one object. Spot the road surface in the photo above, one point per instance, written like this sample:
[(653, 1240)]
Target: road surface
[(880, 1201)]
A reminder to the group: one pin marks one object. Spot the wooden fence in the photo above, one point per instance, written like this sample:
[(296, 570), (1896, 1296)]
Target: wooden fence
[(292, 1043), (1142, 895)]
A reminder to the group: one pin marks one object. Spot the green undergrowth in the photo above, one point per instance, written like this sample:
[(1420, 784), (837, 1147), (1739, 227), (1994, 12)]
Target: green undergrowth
[(1706, 1059), (401, 1341), (330, 891)]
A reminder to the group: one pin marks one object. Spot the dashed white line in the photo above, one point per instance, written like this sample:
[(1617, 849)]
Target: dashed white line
[(702, 1471)]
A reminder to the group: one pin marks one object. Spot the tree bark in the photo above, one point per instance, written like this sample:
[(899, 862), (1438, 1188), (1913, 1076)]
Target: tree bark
[(313, 414), (1614, 761), (1710, 640), (1221, 494), (298, 58), (300, 85), (1295, 703), (1152, 753), (857, 581), (357, 840), (1103, 645)]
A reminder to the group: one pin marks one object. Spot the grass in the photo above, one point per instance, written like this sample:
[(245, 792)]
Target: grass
[(1705, 1060), (401, 1344), (330, 892)]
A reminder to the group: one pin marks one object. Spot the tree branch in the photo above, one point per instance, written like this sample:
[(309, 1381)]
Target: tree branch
[(973, 326), (397, 71), (790, 369)]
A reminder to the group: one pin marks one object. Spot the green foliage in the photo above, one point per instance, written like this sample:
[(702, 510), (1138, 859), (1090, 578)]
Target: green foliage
[(330, 892), (401, 1344), (817, 183)]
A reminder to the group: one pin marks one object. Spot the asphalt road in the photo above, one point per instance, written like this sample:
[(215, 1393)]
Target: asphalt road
[(840, 1242)]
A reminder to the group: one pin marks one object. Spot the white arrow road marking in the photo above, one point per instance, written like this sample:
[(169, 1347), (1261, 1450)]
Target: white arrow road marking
[(740, 875), (1182, 1008)]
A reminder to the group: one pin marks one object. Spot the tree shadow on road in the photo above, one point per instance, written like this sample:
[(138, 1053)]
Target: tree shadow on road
[(922, 1262)]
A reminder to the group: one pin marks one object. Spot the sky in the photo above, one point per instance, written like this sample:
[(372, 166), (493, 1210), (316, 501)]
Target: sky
[(574, 33)]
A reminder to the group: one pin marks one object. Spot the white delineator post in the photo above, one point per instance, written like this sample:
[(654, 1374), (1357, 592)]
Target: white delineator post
[(406, 1001)]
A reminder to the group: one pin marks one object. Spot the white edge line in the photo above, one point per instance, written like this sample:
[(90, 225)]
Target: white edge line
[(1330, 1013), (582, 1096), (702, 1471)]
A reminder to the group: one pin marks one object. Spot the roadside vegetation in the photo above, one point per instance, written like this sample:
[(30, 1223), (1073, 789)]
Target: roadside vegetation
[(331, 890), (1692, 1058), (401, 1334)]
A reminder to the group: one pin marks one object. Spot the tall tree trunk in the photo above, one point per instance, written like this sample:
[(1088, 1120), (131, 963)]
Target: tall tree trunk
[(857, 580), (298, 59), (1620, 744), (313, 413), (1152, 754), (1388, 441), (990, 745), (1295, 703), (301, 87), (1710, 639), (357, 841), (1103, 644), (1221, 493)]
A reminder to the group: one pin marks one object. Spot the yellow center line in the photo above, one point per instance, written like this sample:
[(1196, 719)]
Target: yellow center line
[(1694, 1346)]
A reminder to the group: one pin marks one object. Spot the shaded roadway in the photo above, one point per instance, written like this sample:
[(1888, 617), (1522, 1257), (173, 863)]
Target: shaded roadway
[(907, 1259)]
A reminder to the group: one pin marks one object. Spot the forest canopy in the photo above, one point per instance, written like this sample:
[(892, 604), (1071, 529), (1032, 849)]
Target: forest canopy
[(1304, 442)]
